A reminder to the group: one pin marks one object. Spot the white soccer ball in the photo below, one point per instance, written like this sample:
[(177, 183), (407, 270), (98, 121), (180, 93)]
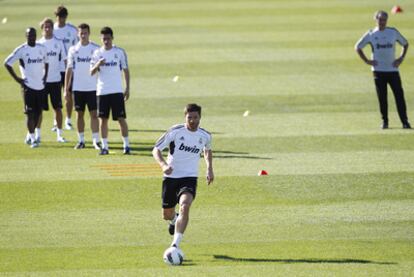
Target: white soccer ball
[(173, 256)]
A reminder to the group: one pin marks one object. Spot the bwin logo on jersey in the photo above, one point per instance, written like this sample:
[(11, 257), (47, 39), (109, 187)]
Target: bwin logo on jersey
[(385, 46), (111, 63), (51, 54), (38, 60), (84, 60), (189, 148)]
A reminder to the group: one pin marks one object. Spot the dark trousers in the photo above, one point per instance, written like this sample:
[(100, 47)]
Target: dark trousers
[(382, 79)]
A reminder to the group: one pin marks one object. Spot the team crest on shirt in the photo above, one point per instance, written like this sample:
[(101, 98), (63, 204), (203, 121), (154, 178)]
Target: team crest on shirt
[(200, 141), (68, 34), (56, 46)]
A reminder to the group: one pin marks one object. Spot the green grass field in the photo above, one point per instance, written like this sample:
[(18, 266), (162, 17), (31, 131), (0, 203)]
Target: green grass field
[(339, 198)]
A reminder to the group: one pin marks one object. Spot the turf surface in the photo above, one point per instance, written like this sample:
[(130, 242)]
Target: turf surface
[(339, 198)]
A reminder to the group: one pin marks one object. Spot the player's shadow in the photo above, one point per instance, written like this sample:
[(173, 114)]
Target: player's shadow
[(140, 131), (236, 155), (152, 131), (298, 261), (188, 263)]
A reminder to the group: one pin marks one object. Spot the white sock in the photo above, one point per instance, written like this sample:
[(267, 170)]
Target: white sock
[(95, 137), (32, 137), (68, 120), (81, 137), (126, 141), (54, 122), (37, 133), (177, 239), (105, 143), (59, 133)]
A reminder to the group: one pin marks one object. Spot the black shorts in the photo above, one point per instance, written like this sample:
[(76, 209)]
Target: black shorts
[(172, 188), (83, 98), (54, 90), (114, 102), (33, 100)]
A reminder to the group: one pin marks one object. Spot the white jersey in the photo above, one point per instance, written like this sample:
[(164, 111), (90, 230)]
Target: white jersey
[(110, 73), (68, 34), (383, 47), (32, 64), (185, 148), (56, 53), (79, 59)]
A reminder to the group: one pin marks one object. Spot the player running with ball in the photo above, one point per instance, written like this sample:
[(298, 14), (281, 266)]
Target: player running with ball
[(185, 143)]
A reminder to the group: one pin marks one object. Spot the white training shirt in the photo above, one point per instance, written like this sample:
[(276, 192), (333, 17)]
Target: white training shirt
[(110, 73), (383, 47), (56, 53), (32, 64), (185, 148), (79, 59), (68, 34)]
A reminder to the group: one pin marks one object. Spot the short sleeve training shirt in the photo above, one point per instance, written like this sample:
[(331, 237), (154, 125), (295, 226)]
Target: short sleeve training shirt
[(79, 59), (383, 47), (110, 73), (31, 62), (185, 148)]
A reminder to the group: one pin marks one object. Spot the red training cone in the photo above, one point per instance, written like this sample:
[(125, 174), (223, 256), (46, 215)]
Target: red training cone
[(396, 9), (262, 172)]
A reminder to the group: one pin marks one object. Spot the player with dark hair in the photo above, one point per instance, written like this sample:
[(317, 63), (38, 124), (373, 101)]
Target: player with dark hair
[(69, 35), (186, 142), (83, 84), (108, 62), (34, 66), (385, 66)]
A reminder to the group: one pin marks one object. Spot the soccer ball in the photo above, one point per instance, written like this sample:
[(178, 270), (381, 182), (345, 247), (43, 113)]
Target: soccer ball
[(173, 256)]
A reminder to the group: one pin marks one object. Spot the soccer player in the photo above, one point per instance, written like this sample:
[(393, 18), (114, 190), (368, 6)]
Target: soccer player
[(33, 60), (56, 54), (108, 62), (69, 35), (83, 84), (185, 143), (384, 65)]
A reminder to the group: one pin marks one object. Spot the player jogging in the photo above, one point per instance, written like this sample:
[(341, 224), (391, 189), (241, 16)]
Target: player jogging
[(384, 65), (33, 68), (83, 84), (185, 142), (108, 62), (56, 54), (68, 34)]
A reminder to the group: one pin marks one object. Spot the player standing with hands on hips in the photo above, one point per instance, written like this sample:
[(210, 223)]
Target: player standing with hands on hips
[(185, 143), (34, 68), (384, 65)]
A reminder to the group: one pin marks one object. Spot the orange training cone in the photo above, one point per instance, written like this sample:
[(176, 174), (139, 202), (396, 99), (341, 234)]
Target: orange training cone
[(396, 9), (262, 172)]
